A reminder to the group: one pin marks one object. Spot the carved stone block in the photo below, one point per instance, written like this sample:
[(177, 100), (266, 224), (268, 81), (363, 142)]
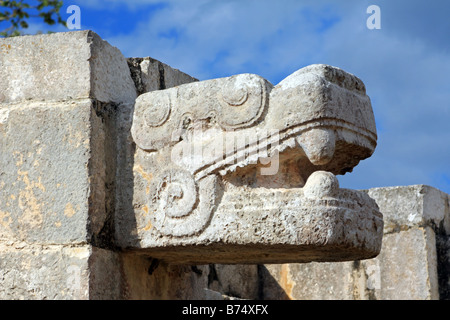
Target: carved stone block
[(236, 170)]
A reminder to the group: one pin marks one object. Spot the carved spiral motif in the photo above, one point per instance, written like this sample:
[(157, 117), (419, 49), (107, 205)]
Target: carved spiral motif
[(234, 94), (158, 111), (175, 192), (181, 208), (243, 100)]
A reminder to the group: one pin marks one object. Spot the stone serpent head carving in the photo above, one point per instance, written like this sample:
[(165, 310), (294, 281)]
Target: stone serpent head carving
[(236, 160)]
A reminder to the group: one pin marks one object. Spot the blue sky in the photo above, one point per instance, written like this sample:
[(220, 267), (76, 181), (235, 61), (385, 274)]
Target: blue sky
[(405, 64)]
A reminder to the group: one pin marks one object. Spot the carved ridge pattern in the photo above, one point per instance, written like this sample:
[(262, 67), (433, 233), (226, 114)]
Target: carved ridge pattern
[(239, 101), (227, 162)]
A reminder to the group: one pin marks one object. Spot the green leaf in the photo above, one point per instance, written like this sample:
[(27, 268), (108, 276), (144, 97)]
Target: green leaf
[(15, 33), (20, 11), (4, 15)]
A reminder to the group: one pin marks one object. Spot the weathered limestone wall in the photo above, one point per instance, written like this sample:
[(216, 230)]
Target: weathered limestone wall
[(56, 94), (66, 189), (62, 97)]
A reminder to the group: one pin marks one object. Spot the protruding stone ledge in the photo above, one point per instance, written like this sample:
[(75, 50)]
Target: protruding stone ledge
[(203, 192)]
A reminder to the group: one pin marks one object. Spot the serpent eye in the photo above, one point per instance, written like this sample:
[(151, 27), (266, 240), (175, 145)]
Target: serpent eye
[(242, 101)]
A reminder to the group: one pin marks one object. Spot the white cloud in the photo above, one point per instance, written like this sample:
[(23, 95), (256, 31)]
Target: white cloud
[(406, 79), (267, 37)]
